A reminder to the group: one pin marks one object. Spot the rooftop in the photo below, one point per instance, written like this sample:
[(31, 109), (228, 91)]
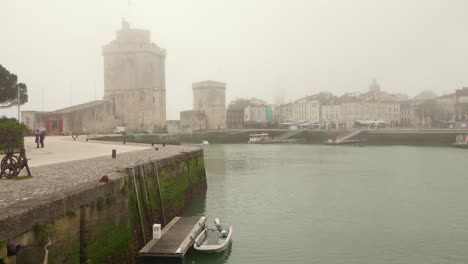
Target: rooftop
[(462, 92), (208, 84), (79, 107)]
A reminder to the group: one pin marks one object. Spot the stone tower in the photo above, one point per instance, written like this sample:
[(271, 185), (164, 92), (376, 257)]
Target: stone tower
[(374, 87), (209, 97), (134, 80)]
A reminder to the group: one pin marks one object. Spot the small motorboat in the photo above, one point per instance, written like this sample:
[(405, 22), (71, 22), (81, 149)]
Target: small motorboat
[(256, 138), (461, 141), (204, 143), (213, 240)]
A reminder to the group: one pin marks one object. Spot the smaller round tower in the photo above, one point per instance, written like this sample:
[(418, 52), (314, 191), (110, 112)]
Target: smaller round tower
[(209, 97)]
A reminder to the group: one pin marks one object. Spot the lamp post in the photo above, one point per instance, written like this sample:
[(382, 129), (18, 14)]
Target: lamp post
[(19, 121)]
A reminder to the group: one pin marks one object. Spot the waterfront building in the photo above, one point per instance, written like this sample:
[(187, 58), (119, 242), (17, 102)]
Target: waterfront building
[(256, 113), (134, 91), (306, 110), (449, 110), (235, 113), (249, 113), (446, 107), (91, 117), (406, 114), (255, 116), (283, 113), (425, 109), (374, 105), (461, 107), (209, 98), (332, 114)]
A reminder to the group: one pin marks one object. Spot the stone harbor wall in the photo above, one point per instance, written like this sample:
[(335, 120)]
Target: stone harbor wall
[(409, 137), (107, 222)]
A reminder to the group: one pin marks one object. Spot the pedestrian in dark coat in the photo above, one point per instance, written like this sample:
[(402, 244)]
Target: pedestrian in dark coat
[(38, 138), (43, 134)]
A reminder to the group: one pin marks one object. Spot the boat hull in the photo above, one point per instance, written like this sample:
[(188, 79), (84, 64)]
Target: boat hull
[(346, 142), (286, 141), (211, 248), (460, 145)]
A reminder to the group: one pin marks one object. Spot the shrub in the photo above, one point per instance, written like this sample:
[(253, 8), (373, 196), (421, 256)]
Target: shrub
[(11, 134)]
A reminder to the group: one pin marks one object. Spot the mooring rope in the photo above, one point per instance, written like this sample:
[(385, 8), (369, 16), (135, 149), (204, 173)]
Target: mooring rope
[(138, 204), (155, 168)]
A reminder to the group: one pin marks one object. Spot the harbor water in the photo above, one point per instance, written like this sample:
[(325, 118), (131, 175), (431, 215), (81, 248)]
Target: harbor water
[(329, 204)]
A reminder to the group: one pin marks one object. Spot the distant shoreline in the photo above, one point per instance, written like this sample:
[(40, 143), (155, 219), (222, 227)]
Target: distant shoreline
[(389, 136)]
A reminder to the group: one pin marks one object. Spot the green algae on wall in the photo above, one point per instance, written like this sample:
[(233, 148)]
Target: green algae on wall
[(179, 179), (106, 230), (116, 245)]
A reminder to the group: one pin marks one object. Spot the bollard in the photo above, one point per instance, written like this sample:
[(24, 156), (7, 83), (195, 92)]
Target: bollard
[(156, 149), (156, 231), (114, 153), (164, 144), (124, 139), (152, 144)]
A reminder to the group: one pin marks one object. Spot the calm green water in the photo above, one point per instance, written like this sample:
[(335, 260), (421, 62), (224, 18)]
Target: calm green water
[(325, 204)]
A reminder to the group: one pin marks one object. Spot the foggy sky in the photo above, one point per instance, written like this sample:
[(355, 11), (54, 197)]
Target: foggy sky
[(255, 46)]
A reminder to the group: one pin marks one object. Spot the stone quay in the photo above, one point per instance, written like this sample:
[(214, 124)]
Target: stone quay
[(82, 205)]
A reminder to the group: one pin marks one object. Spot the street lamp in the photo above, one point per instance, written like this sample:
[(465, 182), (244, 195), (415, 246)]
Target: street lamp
[(18, 102)]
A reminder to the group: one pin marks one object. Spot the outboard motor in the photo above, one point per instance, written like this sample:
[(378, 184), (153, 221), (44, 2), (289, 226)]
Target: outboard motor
[(224, 233), (218, 224)]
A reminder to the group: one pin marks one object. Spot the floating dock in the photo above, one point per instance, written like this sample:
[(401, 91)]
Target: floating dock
[(176, 238)]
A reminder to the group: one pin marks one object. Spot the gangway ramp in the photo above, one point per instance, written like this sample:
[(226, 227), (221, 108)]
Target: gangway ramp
[(350, 135), (289, 134), (176, 238)]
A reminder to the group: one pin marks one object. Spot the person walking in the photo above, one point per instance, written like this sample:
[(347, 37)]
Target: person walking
[(42, 137), (38, 136)]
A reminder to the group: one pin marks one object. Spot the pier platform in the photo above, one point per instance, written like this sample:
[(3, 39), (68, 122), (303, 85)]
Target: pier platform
[(176, 238)]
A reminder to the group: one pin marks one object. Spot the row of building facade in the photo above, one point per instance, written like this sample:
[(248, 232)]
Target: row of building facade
[(325, 110)]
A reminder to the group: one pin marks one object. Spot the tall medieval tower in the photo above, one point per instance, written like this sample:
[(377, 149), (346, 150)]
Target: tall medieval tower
[(134, 80)]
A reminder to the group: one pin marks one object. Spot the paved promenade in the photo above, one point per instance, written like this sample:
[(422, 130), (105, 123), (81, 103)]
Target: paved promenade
[(62, 149), (64, 165)]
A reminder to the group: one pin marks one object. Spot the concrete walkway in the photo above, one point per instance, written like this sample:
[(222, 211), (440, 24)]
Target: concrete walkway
[(62, 149)]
